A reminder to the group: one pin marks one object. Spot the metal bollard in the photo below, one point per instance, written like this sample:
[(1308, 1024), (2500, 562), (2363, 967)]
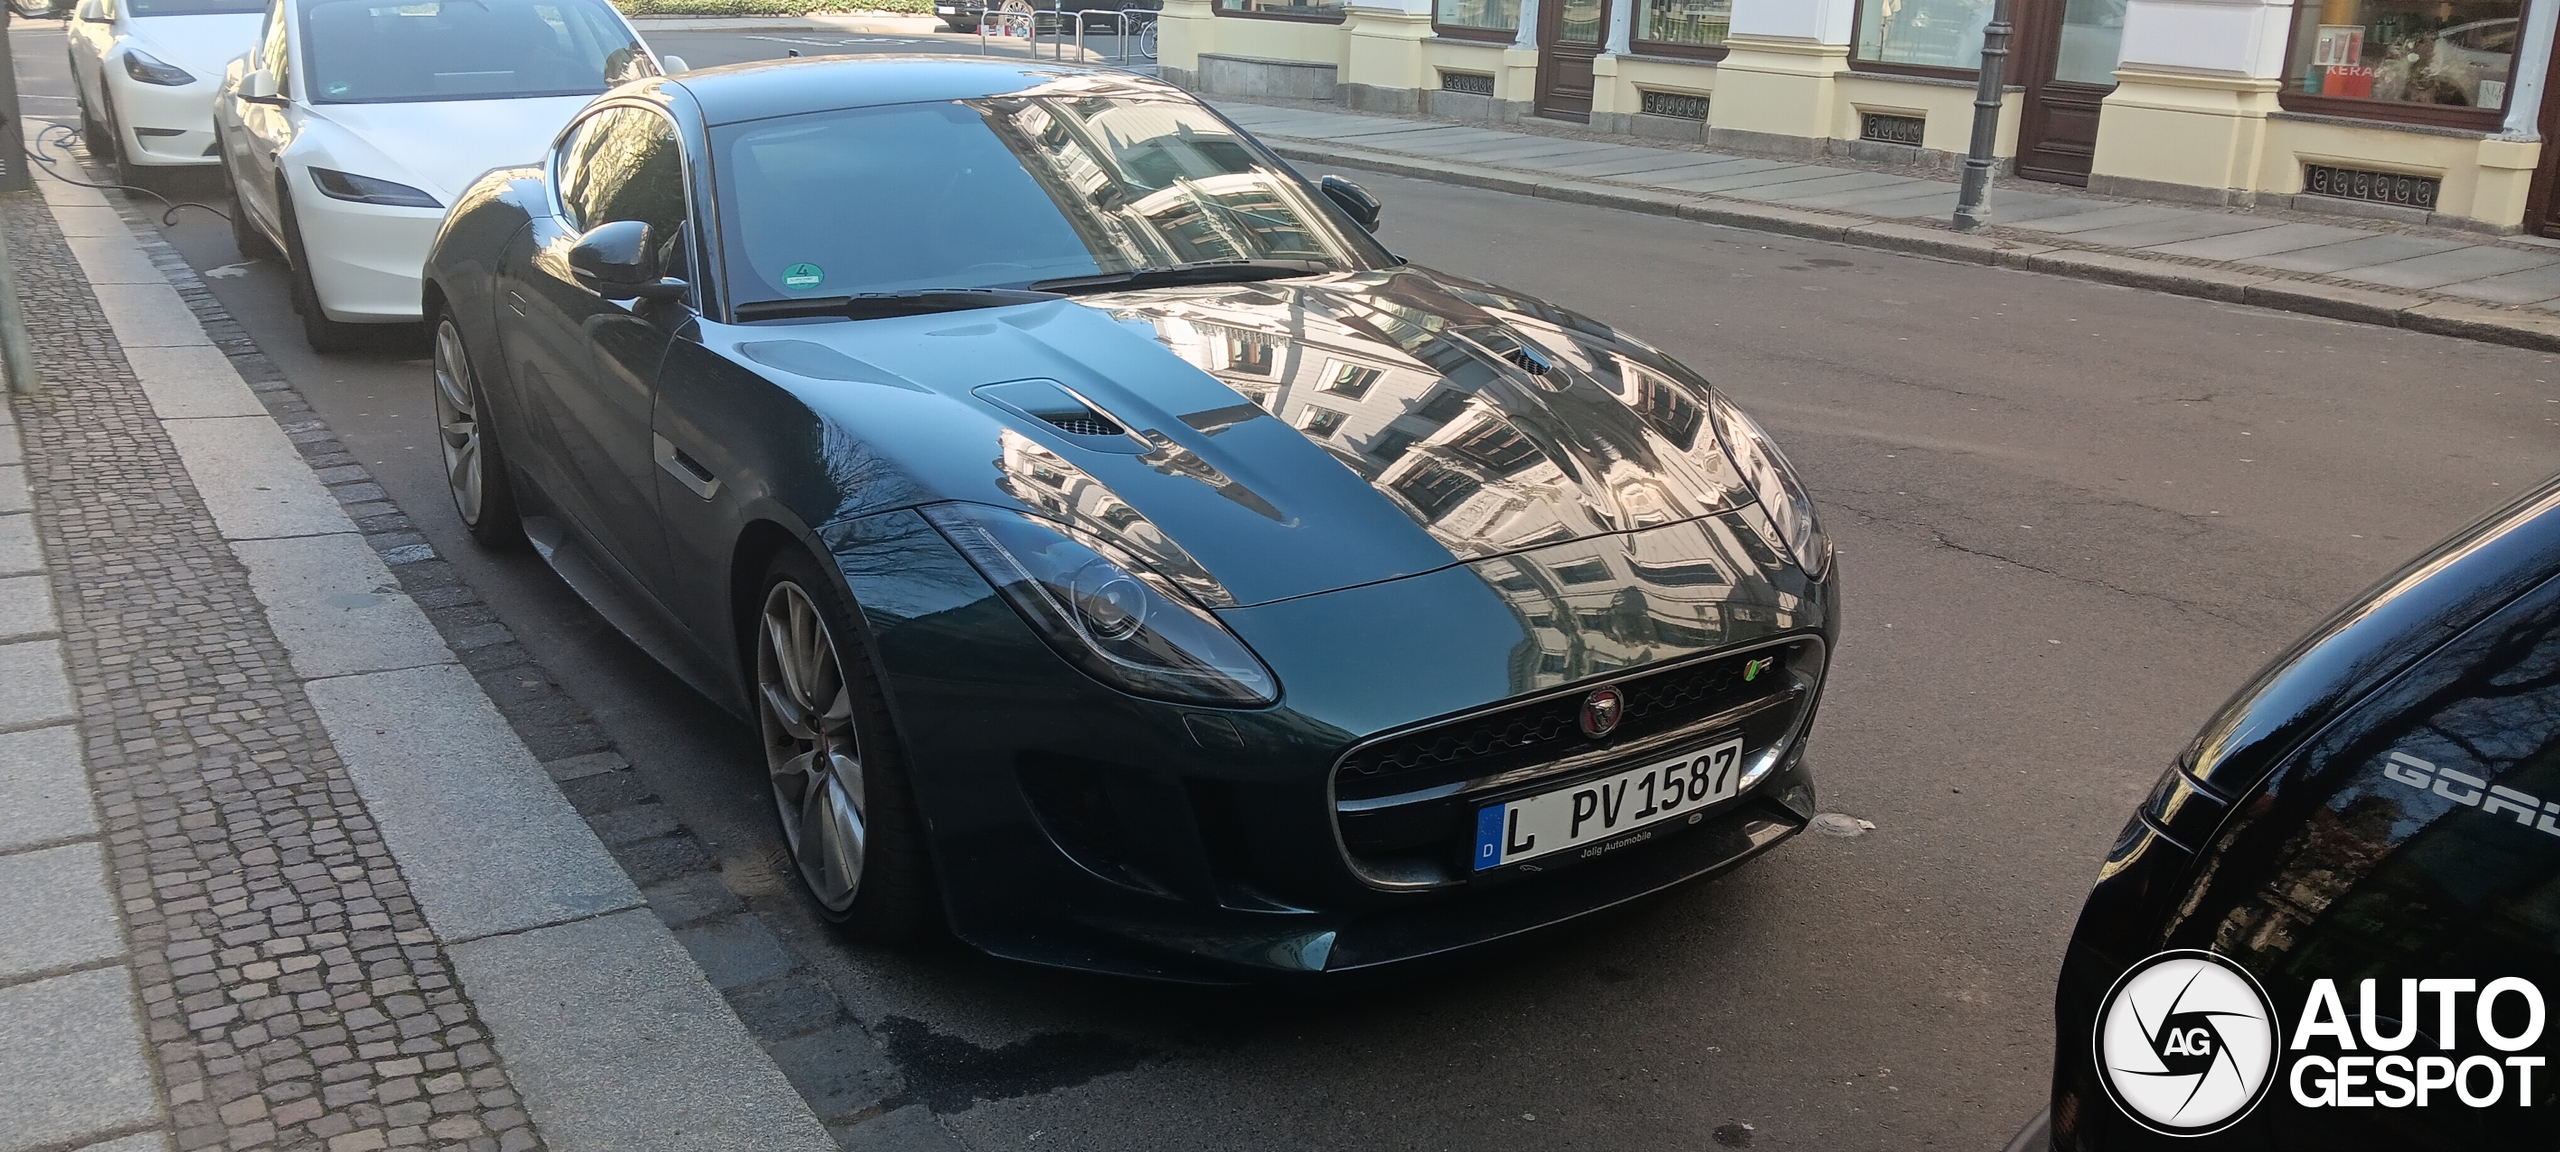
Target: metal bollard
[(15, 355)]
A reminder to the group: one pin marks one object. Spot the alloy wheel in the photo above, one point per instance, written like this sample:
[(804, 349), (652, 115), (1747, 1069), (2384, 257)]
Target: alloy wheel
[(458, 423), (805, 710)]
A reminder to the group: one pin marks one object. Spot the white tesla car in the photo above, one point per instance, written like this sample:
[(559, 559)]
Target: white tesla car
[(351, 125), (145, 73)]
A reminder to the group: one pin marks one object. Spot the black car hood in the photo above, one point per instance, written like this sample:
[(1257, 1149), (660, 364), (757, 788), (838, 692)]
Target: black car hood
[(1292, 437)]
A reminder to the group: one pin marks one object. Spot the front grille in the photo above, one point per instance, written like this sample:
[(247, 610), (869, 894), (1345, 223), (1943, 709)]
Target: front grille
[(1406, 803), (1547, 730)]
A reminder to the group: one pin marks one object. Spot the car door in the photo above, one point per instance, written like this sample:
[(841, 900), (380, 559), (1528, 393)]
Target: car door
[(2409, 856), (584, 366), (92, 29), (263, 129)]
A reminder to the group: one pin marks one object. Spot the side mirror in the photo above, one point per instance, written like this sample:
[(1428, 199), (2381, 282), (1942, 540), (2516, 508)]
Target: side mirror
[(92, 12), (673, 63), (1353, 199), (618, 260), (258, 86)]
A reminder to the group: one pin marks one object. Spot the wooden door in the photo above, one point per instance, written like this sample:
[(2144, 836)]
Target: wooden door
[(2542, 207), (1569, 36), (2068, 51)]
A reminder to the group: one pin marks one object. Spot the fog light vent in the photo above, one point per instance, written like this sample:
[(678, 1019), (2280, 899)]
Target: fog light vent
[(1887, 129), (1471, 83), (1678, 105), (2372, 187)]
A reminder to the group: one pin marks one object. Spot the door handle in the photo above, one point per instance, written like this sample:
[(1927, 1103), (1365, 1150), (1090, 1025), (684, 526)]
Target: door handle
[(515, 301), (696, 478)]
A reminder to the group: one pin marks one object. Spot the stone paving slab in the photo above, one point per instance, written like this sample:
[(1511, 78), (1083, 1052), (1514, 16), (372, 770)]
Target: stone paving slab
[(489, 844), (2358, 253), (2532, 286), (2292, 237), (26, 608), (71, 1062), (1529, 149), (38, 690), (19, 552), (58, 912), (193, 381), (1864, 199), (2105, 216), (112, 259), (2479, 262), (148, 315), (2154, 233), (337, 608), (43, 789), (1764, 174), (1644, 161), (622, 1082), (251, 479), (1791, 192)]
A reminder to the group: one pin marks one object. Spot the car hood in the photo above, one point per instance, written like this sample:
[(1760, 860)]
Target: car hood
[(203, 45), (441, 146), (1290, 437)]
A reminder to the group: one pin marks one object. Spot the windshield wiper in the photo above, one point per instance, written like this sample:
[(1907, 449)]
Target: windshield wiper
[(1194, 272), (876, 305)]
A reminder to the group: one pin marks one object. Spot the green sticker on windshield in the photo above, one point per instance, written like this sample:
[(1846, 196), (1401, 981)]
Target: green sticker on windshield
[(802, 276)]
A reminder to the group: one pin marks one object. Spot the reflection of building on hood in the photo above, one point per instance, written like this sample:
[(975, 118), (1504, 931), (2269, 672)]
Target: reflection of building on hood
[(1446, 418)]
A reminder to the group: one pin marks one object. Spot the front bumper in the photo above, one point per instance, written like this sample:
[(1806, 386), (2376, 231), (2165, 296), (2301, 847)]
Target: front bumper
[(1072, 825), (367, 260), (163, 126)]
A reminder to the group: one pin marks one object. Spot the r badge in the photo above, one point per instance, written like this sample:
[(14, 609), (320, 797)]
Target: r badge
[(1601, 711)]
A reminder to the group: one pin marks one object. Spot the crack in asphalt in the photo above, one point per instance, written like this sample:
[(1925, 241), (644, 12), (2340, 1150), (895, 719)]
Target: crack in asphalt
[(1941, 538)]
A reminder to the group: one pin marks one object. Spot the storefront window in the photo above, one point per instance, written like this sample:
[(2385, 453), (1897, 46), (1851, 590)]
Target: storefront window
[(2439, 53), (1922, 33), (1300, 9), (1683, 23), (1484, 15)]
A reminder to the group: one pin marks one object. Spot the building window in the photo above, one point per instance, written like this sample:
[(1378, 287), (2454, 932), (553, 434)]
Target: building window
[(1683, 27), (1939, 35), (1477, 19), (1351, 381), (1329, 11), (2440, 61)]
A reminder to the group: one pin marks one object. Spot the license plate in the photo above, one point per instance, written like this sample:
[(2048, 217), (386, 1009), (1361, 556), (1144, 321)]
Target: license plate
[(1598, 815)]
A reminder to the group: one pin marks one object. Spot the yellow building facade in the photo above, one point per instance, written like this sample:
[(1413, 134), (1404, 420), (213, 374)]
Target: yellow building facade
[(2428, 111)]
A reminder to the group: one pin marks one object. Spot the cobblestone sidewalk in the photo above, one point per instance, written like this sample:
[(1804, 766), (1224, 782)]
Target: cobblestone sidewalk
[(208, 937)]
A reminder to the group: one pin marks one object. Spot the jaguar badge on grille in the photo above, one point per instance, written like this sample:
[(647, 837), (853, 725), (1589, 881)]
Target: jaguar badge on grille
[(1601, 711)]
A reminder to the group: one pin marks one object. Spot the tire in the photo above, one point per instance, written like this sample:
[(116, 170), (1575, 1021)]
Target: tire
[(94, 136), (323, 334), (475, 469), (848, 820)]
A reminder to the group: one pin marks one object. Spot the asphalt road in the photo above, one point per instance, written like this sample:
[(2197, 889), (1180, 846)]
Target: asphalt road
[(2072, 519)]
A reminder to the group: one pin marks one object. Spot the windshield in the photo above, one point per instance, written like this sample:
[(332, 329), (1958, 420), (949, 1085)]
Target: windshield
[(375, 51), (195, 7), (1006, 192)]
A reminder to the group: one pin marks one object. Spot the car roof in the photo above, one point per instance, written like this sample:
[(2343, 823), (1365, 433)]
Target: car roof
[(768, 88)]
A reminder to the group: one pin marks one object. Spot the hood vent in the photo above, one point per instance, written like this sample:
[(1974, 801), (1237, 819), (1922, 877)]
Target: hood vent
[(1526, 361), (1085, 424)]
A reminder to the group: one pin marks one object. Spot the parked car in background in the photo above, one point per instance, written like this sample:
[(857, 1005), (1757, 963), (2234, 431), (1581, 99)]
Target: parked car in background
[(145, 72), (1121, 556), (2336, 920), (351, 126)]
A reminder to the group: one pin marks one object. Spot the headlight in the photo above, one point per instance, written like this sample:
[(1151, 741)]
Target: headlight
[(142, 66), (1117, 619), (1773, 483), (367, 190)]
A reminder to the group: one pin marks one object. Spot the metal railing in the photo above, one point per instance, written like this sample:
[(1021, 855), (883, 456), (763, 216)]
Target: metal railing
[(1133, 30)]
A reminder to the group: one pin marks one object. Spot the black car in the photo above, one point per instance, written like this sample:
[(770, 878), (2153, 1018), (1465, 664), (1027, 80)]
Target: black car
[(1121, 554), (2336, 921)]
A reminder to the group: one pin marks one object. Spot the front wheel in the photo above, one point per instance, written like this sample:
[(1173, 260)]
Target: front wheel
[(475, 471), (848, 817), (253, 244)]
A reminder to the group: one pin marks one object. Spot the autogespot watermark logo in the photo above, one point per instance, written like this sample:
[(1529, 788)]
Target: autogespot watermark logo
[(2187, 1043)]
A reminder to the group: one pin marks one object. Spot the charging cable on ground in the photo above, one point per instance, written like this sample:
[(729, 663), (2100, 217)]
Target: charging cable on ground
[(36, 151)]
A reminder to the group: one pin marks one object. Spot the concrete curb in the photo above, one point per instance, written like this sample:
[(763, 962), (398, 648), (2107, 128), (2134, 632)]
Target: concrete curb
[(2489, 325), (489, 846)]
